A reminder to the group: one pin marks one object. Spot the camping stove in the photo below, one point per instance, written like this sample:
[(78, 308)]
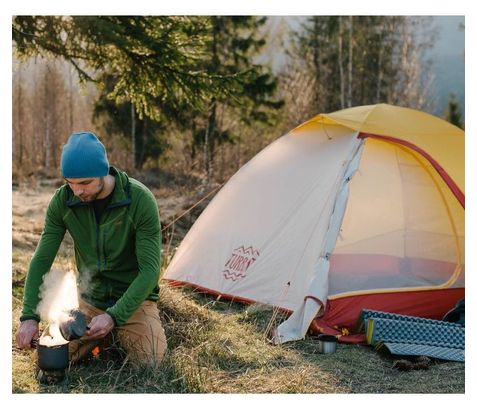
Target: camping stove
[(53, 359), (52, 362)]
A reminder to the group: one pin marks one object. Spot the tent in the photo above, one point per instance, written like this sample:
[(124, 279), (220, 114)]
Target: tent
[(358, 209)]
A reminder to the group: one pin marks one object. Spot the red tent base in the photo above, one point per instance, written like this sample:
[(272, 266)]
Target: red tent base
[(341, 315)]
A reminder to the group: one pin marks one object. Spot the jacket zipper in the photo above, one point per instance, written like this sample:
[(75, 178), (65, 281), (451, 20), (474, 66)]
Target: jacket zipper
[(104, 248), (110, 287), (98, 253)]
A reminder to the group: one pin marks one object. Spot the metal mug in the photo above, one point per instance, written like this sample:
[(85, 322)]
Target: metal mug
[(326, 343)]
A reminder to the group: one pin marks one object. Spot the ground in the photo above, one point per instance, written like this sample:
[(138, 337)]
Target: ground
[(215, 346)]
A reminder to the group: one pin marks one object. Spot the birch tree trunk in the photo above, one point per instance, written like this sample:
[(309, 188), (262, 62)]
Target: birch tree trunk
[(211, 119), (350, 63), (70, 100), (133, 135), (19, 128), (340, 62), (380, 72), (47, 113), (209, 142), (206, 153)]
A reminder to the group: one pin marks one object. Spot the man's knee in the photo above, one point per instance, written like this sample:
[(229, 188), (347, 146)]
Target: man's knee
[(143, 337), (144, 349)]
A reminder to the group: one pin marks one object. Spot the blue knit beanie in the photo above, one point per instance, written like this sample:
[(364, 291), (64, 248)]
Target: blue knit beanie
[(84, 156)]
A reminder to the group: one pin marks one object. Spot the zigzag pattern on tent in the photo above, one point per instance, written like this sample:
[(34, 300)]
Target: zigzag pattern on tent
[(376, 314), (407, 335)]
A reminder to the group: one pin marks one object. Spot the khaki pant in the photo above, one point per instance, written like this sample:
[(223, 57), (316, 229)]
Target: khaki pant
[(142, 336)]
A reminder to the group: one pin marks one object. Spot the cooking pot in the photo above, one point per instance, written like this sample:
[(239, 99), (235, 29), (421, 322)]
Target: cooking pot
[(52, 357), (326, 343)]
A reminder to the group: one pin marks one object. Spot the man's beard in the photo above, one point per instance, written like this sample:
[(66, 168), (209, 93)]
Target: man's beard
[(93, 196)]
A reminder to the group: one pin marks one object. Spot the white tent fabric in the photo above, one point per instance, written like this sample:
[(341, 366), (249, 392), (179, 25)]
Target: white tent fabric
[(298, 323), (238, 251), (322, 215)]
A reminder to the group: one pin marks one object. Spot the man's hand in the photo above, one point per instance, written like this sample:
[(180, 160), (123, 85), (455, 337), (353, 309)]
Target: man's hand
[(100, 326), (27, 331)]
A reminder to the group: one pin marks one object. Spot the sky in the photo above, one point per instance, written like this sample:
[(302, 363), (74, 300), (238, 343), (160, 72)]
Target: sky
[(449, 61)]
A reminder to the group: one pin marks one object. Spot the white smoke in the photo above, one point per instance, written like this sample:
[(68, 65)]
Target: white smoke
[(59, 295), (84, 281)]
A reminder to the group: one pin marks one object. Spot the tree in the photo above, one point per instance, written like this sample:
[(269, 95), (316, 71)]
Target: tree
[(42, 115), (121, 119), (360, 60), (453, 112), (234, 43), (20, 129), (150, 56), (162, 69)]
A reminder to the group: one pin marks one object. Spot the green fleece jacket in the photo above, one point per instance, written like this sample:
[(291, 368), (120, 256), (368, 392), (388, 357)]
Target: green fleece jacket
[(118, 260)]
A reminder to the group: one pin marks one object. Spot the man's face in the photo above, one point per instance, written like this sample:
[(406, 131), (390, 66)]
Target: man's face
[(86, 189)]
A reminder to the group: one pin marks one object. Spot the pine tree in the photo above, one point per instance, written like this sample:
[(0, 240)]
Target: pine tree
[(234, 43), (151, 57), (143, 137), (453, 112), (161, 70)]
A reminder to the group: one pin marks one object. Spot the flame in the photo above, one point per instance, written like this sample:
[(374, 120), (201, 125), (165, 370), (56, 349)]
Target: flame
[(95, 351)]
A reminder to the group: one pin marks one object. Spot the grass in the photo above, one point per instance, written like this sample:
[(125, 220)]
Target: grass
[(215, 346), (219, 349)]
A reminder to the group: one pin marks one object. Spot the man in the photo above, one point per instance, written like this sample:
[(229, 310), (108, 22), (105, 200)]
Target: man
[(114, 222)]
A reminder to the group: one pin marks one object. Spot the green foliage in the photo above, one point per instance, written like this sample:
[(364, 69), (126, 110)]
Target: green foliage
[(116, 119), (235, 41), (151, 57), (453, 112), (172, 69)]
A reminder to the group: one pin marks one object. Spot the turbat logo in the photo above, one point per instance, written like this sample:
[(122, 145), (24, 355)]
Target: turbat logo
[(238, 263)]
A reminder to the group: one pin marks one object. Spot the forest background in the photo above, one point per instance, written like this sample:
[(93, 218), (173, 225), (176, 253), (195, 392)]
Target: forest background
[(199, 96)]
